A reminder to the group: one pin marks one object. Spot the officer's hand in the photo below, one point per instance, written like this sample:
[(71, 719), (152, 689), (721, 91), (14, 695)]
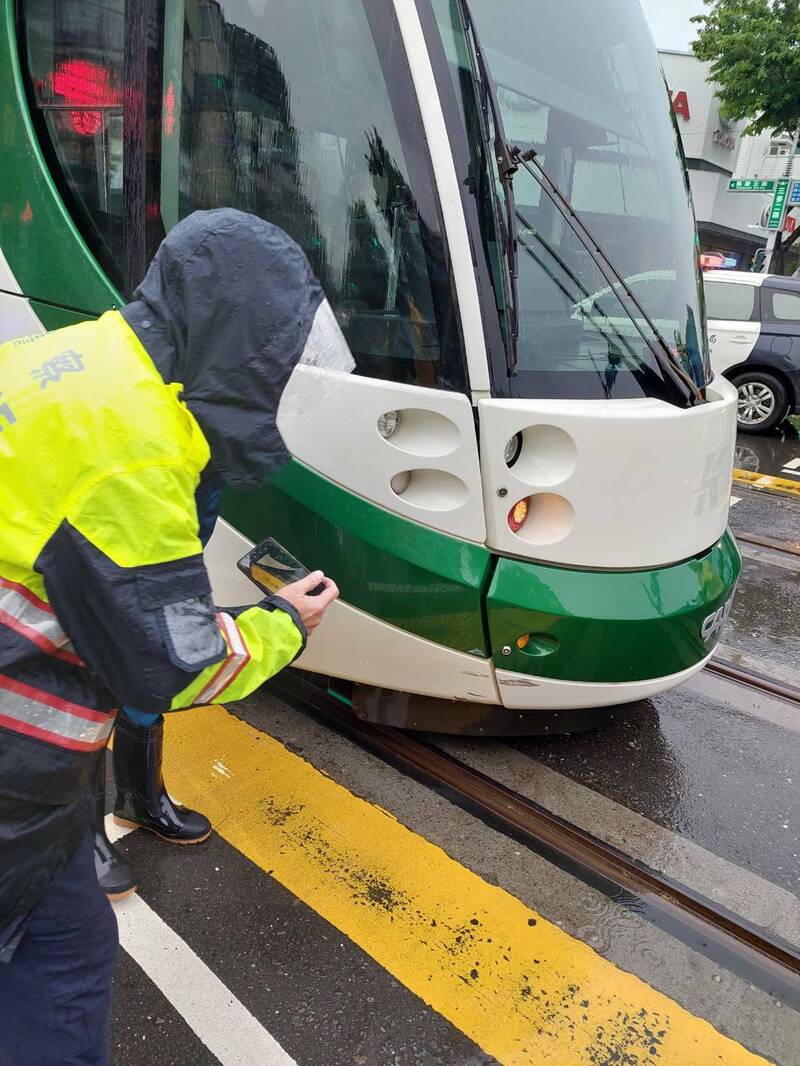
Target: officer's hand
[(310, 608)]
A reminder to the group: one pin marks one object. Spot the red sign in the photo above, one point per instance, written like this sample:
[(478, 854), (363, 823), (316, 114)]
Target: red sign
[(87, 87), (680, 105)]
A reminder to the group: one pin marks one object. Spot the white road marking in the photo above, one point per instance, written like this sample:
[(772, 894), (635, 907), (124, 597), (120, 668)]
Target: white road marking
[(735, 500), (224, 1025), (116, 832), (793, 464)]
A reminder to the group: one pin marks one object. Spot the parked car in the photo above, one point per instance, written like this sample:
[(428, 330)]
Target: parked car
[(754, 335)]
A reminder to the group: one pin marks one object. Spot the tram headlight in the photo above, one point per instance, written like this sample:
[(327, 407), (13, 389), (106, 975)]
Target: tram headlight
[(388, 423), (518, 515), (512, 450), (400, 482)]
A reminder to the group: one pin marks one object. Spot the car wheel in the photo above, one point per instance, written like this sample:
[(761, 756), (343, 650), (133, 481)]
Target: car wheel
[(762, 401)]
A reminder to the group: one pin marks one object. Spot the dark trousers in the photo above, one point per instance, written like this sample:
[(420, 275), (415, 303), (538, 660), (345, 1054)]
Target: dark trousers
[(55, 993)]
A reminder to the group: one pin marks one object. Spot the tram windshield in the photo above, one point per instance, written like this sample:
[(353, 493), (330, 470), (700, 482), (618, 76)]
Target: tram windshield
[(580, 84)]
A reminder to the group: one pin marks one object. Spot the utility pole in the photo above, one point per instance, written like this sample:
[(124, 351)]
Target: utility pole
[(772, 239)]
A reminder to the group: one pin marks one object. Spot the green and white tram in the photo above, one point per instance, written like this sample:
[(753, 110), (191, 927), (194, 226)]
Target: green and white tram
[(523, 490)]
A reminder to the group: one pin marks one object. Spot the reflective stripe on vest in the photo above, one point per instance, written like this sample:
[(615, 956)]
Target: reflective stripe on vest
[(23, 611), (39, 714), (231, 667)]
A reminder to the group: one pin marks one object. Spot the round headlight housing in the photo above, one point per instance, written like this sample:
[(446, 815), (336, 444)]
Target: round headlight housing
[(388, 423), (400, 482), (512, 450)]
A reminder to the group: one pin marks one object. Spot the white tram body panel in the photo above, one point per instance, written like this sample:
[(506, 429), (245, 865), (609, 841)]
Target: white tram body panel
[(612, 485)]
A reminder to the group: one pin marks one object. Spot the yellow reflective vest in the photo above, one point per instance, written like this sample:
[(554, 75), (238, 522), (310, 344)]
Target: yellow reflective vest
[(104, 597)]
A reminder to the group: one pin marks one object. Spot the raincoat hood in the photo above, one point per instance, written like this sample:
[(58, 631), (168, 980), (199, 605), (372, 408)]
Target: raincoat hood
[(226, 308)]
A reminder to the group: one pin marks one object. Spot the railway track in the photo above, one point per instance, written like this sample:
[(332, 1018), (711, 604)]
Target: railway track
[(784, 546), (742, 948), (755, 680)]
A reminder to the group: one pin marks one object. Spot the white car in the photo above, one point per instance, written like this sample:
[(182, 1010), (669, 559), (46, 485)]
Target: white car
[(754, 335)]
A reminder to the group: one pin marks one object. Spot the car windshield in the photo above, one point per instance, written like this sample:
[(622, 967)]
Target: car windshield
[(580, 85)]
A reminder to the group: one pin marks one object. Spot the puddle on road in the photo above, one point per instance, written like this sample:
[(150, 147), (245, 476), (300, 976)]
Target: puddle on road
[(769, 454)]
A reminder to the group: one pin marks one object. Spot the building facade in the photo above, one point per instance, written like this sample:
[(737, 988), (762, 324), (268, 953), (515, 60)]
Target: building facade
[(728, 223)]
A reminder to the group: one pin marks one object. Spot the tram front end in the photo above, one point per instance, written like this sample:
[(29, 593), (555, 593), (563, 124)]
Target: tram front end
[(601, 481), (522, 490)]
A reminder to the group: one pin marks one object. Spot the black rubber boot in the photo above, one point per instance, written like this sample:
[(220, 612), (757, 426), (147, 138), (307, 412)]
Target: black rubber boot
[(142, 800), (114, 875)]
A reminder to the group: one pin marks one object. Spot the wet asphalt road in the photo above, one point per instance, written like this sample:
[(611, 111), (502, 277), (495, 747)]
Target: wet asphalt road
[(766, 514), (764, 620), (694, 765), (769, 454)]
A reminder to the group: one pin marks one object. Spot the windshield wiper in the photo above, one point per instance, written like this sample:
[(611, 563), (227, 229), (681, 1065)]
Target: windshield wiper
[(664, 355), (614, 360), (509, 157), (507, 168), (596, 315)]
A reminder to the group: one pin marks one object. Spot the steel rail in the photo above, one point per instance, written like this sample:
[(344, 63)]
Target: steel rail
[(762, 490), (789, 547), (725, 668), (753, 953)]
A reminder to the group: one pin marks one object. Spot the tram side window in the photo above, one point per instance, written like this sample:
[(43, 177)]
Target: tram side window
[(75, 62), (303, 114)]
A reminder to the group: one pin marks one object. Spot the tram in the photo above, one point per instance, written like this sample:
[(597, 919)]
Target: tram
[(522, 490)]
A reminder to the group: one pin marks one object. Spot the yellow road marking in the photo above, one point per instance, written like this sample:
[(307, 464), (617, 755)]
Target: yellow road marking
[(520, 987), (767, 481)]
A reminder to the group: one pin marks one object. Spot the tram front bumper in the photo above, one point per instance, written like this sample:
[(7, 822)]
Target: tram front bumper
[(575, 638)]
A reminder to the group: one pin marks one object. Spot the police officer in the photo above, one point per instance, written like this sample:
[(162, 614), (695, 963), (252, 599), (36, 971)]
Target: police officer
[(140, 797), (108, 429)]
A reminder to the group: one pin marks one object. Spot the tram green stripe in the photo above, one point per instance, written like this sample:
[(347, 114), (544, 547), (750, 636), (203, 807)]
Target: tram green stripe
[(39, 239), (411, 576), (56, 317), (608, 627), (588, 625)]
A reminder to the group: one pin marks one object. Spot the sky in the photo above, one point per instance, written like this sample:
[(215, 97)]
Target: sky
[(669, 21)]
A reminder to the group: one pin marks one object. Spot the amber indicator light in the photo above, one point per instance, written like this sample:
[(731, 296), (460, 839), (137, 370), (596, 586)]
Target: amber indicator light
[(518, 515)]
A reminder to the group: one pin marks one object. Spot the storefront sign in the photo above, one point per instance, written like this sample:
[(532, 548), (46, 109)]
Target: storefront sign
[(680, 104), (724, 140)]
